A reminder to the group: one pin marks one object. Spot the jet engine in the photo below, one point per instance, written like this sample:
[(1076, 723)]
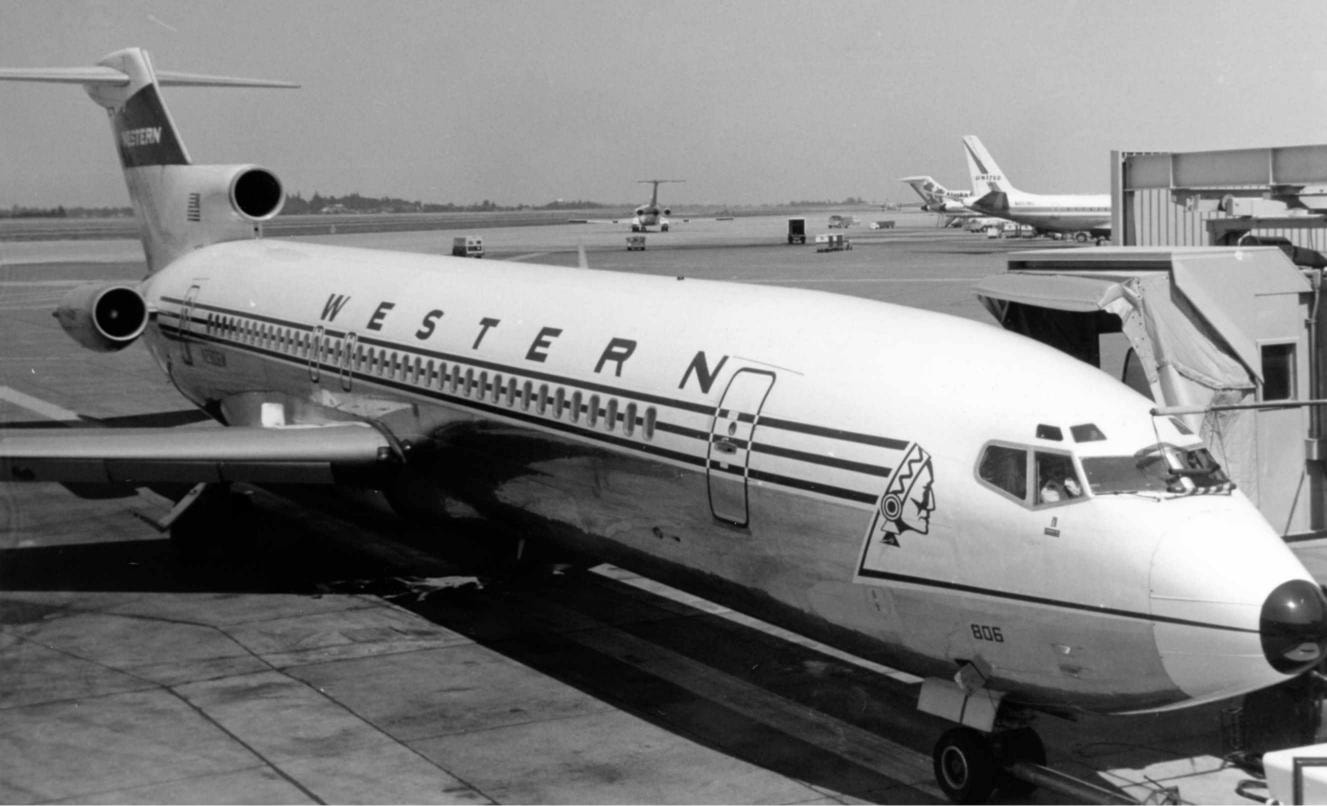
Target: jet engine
[(666, 211), (252, 193), (103, 317)]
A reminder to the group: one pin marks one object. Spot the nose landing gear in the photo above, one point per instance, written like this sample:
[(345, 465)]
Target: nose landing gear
[(970, 765)]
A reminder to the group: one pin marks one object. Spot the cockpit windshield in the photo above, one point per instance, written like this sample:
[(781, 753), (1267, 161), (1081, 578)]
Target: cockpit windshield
[(1161, 468)]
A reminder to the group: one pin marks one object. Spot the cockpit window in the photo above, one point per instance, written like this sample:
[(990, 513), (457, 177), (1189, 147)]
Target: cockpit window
[(1032, 477), (1087, 432), (1006, 469), (1051, 432), (1159, 469), (1056, 478)]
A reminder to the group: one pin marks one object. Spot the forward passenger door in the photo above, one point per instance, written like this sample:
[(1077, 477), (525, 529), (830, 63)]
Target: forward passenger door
[(731, 436)]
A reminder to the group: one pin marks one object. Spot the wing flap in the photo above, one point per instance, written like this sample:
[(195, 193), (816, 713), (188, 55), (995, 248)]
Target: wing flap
[(313, 455)]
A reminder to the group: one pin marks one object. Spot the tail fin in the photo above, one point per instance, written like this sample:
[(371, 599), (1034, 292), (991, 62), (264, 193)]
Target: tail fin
[(179, 206), (654, 194), (931, 191), (986, 175)]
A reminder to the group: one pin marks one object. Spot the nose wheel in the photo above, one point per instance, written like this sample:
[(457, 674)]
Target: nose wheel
[(964, 766), (970, 765)]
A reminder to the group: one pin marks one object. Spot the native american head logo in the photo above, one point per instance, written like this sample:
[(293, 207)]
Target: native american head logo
[(908, 500)]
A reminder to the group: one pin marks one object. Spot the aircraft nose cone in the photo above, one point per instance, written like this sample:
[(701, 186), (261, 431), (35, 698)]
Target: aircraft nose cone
[(1293, 626)]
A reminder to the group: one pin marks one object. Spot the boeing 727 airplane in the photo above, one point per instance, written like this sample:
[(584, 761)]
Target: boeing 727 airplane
[(649, 214), (952, 205), (1082, 215), (925, 491)]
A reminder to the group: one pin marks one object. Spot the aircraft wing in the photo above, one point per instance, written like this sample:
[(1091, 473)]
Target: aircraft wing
[(294, 455), (627, 220)]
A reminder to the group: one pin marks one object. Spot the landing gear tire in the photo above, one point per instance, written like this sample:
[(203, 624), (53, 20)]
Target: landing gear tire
[(1081, 237), (964, 766), (1020, 744)]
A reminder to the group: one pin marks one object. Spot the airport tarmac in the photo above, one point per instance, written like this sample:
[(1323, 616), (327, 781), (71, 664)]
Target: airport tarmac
[(341, 655)]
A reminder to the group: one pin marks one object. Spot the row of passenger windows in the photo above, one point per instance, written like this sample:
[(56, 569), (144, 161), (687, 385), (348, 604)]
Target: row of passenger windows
[(594, 410)]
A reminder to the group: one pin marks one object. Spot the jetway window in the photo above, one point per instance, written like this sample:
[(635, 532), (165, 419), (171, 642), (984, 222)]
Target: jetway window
[(1278, 371)]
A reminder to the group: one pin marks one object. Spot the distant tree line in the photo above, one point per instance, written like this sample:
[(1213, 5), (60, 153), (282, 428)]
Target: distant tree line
[(355, 203), (60, 211), (851, 201)]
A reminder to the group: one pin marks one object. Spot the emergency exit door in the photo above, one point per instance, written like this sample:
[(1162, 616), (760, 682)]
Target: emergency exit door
[(731, 437)]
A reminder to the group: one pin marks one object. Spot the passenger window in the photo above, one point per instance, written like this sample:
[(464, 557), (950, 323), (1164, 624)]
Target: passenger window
[(1006, 469), (1056, 479)]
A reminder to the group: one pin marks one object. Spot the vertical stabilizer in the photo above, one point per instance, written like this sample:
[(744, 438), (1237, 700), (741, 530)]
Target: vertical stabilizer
[(931, 191), (179, 206), (144, 132), (986, 175)]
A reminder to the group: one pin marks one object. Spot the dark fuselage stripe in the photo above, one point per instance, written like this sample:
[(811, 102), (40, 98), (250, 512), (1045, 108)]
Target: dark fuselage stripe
[(685, 405), (334, 372), (1055, 603)]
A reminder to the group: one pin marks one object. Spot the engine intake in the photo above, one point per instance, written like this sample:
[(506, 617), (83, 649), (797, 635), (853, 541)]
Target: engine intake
[(103, 317), (256, 194)]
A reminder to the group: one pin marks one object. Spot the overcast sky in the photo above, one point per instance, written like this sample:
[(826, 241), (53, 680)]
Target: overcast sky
[(749, 102)]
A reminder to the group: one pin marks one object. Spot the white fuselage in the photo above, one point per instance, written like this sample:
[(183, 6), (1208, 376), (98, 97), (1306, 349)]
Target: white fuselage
[(1064, 213), (750, 444)]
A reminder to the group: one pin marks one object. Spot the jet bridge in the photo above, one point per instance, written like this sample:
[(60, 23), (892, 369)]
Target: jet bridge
[(1226, 340), (1233, 197)]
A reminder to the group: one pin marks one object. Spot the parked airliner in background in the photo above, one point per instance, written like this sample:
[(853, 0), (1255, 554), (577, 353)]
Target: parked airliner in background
[(951, 205), (649, 214), (1082, 215), (927, 492)]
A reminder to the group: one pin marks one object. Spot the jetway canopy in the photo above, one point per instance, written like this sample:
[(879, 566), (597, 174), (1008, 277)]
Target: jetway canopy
[(1183, 357), (1198, 298), (1198, 322)]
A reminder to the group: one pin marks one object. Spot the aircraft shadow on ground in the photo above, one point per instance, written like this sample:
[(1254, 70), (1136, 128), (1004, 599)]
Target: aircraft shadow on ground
[(563, 626)]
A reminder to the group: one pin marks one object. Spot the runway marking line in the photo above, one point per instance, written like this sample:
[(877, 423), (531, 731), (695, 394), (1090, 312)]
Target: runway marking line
[(37, 405)]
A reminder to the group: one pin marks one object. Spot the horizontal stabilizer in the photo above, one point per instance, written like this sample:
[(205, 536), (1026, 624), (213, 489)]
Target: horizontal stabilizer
[(109, 76)]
